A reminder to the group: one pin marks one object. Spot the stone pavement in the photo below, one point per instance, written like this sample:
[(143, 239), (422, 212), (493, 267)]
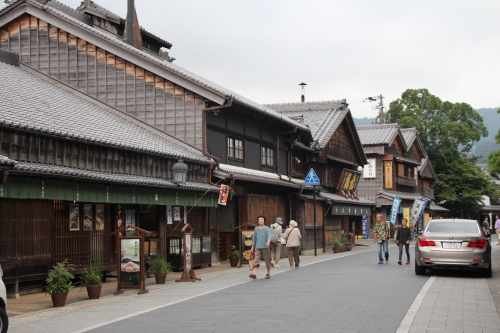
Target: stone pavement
[(442, 302)]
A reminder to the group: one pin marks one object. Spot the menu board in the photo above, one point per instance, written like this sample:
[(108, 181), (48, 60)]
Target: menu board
[(246, 245), (130, 262)]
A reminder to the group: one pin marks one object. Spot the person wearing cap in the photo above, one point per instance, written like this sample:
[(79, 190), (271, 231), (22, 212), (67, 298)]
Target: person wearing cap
[(276, 234), (292, 236)]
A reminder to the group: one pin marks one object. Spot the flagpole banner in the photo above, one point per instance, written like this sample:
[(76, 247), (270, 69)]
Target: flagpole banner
[(396, 202), (417, 211)]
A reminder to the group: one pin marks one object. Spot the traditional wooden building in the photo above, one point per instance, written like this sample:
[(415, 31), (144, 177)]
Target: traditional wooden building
[(72, 166), (337, 156), (398, 167)]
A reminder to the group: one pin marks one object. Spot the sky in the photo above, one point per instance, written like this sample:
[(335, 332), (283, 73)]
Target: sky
[(342, 49)]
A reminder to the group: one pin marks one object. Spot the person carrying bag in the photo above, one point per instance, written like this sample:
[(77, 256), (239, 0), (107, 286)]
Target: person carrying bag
[(292, 237)]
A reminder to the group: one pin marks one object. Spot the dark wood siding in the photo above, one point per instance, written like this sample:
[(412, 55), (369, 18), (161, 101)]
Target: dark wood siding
[(25, 146), (103, 75)]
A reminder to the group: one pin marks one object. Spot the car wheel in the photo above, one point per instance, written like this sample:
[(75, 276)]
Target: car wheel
[(487, 273), (419, 270), (4, 321)]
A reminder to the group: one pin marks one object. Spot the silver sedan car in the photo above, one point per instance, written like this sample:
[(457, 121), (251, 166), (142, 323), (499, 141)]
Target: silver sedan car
[(453, 243)]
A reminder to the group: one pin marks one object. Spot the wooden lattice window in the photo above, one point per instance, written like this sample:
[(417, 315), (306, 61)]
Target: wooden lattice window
[(267, 156), (234, 148)]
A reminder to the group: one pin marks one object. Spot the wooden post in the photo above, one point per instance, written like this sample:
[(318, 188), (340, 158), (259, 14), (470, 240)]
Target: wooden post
[(188, 274)]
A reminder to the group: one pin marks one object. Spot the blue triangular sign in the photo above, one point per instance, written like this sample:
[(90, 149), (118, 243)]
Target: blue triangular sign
[(312, 178)]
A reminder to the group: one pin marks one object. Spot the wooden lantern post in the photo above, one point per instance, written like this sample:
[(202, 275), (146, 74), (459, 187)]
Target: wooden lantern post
[(188, 274), (140, 238)]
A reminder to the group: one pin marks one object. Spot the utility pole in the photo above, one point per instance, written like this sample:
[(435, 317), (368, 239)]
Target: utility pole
[(380, 107)]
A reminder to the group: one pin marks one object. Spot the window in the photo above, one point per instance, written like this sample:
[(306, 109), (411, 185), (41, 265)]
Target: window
[(235, 148), (267, 156)]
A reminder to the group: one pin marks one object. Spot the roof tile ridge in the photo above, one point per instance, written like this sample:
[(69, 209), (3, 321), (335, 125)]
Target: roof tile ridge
[(127, 117)]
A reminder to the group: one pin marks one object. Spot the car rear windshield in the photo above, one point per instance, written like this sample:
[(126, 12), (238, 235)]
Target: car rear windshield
[(462, 227)]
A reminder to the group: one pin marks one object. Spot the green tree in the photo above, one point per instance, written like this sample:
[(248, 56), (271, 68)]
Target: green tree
[(463, 185), (446, 130), (494, 158)]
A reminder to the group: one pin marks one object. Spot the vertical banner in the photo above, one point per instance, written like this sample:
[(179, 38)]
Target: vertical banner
[(169, 215), (417, 211), (406, 215), (223, 194), (185, 215), (364, 226), (394, 210)]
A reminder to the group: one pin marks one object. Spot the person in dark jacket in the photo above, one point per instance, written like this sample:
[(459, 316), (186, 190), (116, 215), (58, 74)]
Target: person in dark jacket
[(404, 238)]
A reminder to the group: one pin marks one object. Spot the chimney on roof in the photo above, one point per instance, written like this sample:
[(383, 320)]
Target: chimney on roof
[(132, 34), (303, 97)]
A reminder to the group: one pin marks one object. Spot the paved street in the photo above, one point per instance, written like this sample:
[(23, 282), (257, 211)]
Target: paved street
[(346, 292)]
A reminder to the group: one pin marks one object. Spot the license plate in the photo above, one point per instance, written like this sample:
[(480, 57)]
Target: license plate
[(447, 245)]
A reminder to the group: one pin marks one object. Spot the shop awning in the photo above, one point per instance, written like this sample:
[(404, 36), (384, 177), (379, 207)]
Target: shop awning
[(344, 206), (20, 187), (494, 209)]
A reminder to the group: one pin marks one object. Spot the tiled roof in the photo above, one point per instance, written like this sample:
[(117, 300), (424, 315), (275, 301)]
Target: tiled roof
[(4, 160), (34, 102), (337, 198), (323, 118), (409, 134), (435, 208), (254, 175), (107, 177), (400, 195), (164, 64), (379, 134)]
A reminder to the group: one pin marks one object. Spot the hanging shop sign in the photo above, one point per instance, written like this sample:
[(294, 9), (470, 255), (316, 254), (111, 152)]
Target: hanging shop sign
[(350, 210), (348, 180)]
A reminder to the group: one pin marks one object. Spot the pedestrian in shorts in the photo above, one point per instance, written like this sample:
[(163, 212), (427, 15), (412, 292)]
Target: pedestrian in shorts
[(260, 246)]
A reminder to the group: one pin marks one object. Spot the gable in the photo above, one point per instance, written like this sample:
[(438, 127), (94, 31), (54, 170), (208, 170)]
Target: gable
[(341, 146), (106, 76)]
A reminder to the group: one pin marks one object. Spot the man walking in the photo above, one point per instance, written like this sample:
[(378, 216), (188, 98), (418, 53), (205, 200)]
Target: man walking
[(276, 234), (403, 239), (380, 236), (260, 242)]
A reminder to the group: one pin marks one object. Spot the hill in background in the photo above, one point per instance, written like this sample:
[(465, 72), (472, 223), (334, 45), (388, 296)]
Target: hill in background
[(485, 146)]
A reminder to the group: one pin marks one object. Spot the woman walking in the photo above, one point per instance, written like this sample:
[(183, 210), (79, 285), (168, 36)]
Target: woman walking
[(403, 239), (292, 236), (260, 242)]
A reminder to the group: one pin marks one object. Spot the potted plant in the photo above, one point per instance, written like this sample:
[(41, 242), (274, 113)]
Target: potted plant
[(91, 279), (234, 256), (347, 242), (160, 267), (336, 244), (59, 282)]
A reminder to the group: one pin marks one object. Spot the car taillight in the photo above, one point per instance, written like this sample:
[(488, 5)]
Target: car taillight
[(424, 242), (480, 243)]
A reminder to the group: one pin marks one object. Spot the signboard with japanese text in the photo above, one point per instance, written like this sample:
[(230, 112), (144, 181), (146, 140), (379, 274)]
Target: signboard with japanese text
[(388, 174), (396, 202), (369, 171), (348, 180), (364, 225)]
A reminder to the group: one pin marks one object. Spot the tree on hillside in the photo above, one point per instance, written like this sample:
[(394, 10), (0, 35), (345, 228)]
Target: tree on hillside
[(463, 185), (447, 130), (494, 158)]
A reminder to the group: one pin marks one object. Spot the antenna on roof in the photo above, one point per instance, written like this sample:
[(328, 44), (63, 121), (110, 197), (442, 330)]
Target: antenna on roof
[(303, 91)]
